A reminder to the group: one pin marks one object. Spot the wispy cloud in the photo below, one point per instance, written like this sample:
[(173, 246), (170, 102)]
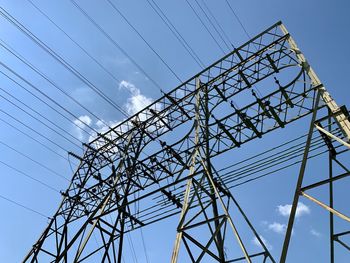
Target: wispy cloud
[(256, 242), (81, 122), (277, 227), (136, 101), (315, 233), (302, 209)]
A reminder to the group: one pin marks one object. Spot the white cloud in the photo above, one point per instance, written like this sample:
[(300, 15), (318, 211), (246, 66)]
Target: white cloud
[(81, 122), (137, 101), (134, 103), (277, 227), (315, 233), (302, 209), (256, 242)]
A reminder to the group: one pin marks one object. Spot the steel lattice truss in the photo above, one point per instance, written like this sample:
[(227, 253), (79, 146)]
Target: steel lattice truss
[(127, 176)]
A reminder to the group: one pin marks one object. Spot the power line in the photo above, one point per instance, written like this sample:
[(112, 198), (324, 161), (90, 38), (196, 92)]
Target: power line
[(175, 32), (282, 157), (40, 121), (85, 51), (238, 19), (23, 206), (213, 25), (257, 166), (33, 37), (265, 152), (38, 113), (75, 42), (35, 140), (34, 161), (44, 102), (205, 26), (26, 62), (29, 176), (47, 97), (285, 157), (34, 87), (58, 58), (115, 43), (266, 163), (133, 253), (282, 168), (144, 40), (144, 245), (180, 194), (33, 130), (217, 23)]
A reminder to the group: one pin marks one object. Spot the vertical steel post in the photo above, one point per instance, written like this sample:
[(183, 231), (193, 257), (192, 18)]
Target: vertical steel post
[(342, 121), (331, 216), (218, 237), (121, 239), (177, 244), (299, 183)]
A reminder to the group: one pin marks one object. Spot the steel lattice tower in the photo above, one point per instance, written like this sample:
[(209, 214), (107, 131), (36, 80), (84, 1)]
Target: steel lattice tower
[(134, 157)]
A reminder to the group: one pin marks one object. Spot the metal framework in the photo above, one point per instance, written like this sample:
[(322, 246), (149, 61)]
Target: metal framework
[(167, 152)]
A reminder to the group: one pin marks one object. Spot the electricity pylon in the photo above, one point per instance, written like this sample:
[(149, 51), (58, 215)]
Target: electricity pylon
[(263, 85)]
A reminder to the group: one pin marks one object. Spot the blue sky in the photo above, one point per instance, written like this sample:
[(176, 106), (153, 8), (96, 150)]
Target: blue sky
[(319, 27)]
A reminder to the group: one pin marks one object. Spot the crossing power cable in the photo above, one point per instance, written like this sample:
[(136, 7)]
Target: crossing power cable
[(217, 22), (47, 97), (85, 52), (205, 26), (109, 37), (23, 206), (161, 211), (38, 113), (280, 169), (144, 245), (30, 177), (31, 66), (34, 139), (175, 32), (33, 130), (44, 102), (34, 161), (270, 161), (59, 59), (316, 145), (238, 19), (213, 25), (144, 40), (231, 177), (40, 121)]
